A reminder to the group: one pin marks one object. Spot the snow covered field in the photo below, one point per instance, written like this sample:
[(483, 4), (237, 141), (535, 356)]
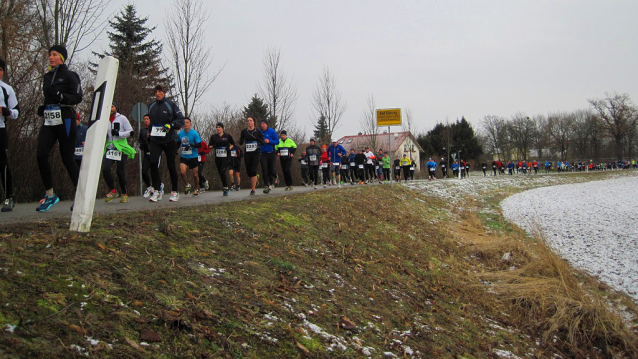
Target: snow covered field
[(593, 225)]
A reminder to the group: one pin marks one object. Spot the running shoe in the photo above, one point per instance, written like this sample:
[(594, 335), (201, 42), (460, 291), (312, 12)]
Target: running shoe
[(160, 195), (287, 188), (174, 196), (206, 185), (339, 186), (187, 190), (267, 190), (47, 203), (252, 192), (315, 187), (109, 196), (237, 188), (154, 197), (8, 205), (195, 193), (148, 191), (226, 191), (124, 198)]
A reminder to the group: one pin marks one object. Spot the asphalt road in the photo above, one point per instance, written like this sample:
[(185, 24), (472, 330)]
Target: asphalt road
[(26, 213)]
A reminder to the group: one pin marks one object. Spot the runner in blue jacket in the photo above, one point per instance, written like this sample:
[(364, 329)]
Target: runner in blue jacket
[(431, 165), (268, 155), (335, 151)]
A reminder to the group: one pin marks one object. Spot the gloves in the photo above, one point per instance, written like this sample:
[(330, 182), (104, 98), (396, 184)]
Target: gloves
[(167, 127), (115, 132), (53, 94), (6, 112)]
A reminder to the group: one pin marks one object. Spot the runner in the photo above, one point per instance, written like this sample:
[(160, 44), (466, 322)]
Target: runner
[(369, 165), (166, 120), (117, 150), (354, 171), (79, 140), (360, 159), (335, 152), (431, 165), (313, 156), (325, 165), (202, 152), (303, 164), (9, 109), (443, 165), (234, 168), (223, 143), (397, 168), (190, 142), (267, 159), (494, 167), (548, 167), (145, 134), (344, 171), (286, 151), (62, 90), (510, 168), (484, 168), (535, 165), (455, 169), (387, 164), (405, 165), (253, 138)]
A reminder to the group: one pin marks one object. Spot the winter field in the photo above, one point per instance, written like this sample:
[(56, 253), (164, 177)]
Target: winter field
[(592, 224)]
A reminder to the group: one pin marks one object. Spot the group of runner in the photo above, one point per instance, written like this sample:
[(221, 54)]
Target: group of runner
[(339, 166)]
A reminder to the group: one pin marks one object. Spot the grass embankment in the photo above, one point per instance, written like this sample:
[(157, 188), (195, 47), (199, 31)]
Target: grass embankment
[(352, 273)]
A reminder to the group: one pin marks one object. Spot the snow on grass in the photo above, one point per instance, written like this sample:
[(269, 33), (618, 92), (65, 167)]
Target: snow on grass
[(592, 225)]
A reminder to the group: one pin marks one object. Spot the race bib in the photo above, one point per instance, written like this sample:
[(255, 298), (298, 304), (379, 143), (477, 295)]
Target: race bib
[(344, 167), (79, 151), (442, 166), (376, 167), (312, 158), (52, 115), (199, 158), (220, 152), (158, 131), (251, 146), (233, 153), (303, 162), (283, 152), (189, 151), (324, 165), (412, 169), (360, 167), (352, 164), (335, 164), (114, 155)]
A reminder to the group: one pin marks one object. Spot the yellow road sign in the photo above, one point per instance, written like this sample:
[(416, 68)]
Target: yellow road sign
[(389, 117)]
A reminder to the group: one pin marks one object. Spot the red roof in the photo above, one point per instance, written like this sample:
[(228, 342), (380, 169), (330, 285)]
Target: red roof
[(379, 141)]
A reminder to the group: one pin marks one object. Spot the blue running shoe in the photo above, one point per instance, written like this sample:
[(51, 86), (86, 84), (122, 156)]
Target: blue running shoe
[(48, 203)]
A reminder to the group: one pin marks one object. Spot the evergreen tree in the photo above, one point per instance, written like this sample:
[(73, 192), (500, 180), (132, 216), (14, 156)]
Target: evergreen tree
[(321, 132), (463, 136), (140, 66), (258, 110)]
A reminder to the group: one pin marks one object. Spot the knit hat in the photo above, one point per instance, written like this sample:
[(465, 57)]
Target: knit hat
[(219, 124), (160, 87), (117, 108), (312, 140), (283, 132), (60, 50), (3, 65)]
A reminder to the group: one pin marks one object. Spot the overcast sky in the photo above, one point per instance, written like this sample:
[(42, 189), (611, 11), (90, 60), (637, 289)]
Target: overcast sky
[(440, 59)]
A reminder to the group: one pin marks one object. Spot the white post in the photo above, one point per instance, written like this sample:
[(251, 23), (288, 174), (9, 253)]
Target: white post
[(390, 150), (94, 145)]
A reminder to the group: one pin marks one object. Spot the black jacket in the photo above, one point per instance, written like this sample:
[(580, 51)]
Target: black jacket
[(313, 150), (62, 86), (165, 112), (144, 137)]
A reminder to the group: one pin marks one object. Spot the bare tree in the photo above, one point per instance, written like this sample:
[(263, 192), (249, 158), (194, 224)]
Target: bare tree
[(540, 136), (521, 133), (280, 93), (408, 123), (619, 117), (495, 132), (561, 127), (327, 101), (72, 23), (368, 123), (189, 56)]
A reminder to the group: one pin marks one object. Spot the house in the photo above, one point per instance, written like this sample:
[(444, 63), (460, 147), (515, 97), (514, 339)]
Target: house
[(402, 142)]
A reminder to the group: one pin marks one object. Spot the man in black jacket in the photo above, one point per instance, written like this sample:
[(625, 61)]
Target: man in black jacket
[(313, 156), (166, 120)]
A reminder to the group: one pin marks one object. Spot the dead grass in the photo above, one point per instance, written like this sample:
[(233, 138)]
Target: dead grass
[(544, 294)]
